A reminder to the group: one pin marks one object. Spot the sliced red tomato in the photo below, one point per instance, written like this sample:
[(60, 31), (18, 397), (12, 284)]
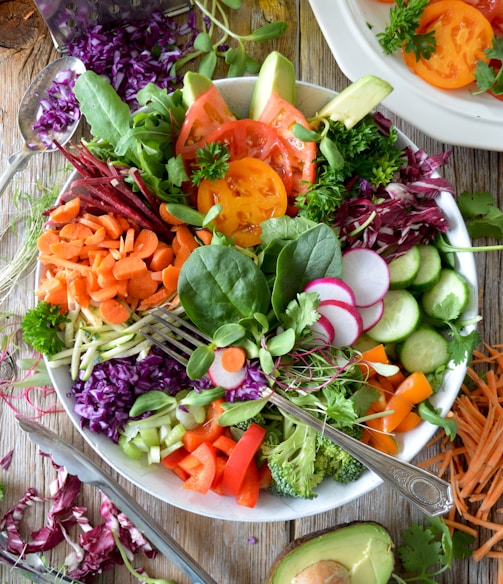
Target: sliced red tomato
[(209, 111), (462, 34), (250, 193), (282, 116), (250, 138), (489, 8)]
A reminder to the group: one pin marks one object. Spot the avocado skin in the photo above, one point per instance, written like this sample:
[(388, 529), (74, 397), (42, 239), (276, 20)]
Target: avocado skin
[(364, 548)]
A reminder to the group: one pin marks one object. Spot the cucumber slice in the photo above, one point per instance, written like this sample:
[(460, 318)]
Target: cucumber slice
[(404, 269), (430, 267), (424, 350), (447, 299), (400, 318)]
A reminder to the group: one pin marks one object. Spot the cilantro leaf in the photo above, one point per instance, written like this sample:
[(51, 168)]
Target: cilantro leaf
[(212, 162), (401, 30), (482, 217), (420, 550), (489, 74), (301, 313), (429, 414)]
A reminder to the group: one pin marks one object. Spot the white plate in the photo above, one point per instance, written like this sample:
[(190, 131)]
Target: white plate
[(163, 484), (452, 116)]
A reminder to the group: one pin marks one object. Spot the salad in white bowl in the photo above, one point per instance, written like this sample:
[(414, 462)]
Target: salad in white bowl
[(310, 241)]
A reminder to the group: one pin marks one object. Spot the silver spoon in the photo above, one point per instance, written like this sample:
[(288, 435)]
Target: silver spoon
[(27, 117)]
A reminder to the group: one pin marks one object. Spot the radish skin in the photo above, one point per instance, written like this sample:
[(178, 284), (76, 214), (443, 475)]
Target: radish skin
[(331, 289), (345, 319), (367, 274), (323, 330)]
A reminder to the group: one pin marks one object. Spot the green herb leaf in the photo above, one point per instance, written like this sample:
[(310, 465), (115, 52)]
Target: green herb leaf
[(150, 401), (429, 414), (42, 326), (401, 32), (482, 217), (489, 75), (212, 162)]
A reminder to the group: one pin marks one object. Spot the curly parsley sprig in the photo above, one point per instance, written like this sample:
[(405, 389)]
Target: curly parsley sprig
[(401, 31), (212, 162)]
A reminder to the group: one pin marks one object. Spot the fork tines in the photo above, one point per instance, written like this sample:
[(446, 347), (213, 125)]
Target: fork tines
[(175, 331)]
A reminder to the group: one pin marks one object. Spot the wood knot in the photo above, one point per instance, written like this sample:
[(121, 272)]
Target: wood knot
[(20, 24)]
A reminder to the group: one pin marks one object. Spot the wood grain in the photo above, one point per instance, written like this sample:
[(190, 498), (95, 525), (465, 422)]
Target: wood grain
[(232, 552)]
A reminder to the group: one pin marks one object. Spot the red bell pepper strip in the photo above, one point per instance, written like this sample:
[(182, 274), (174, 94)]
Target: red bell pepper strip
[(249, 491), (240, 459)]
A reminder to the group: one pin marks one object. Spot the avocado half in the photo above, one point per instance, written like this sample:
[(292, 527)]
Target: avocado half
[(364, 549)]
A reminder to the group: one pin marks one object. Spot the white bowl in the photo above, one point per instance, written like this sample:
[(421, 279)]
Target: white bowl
[(162, 484), (452, 116)]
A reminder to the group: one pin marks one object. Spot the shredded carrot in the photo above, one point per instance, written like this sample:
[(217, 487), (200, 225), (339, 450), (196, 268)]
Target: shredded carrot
[(473, 463)]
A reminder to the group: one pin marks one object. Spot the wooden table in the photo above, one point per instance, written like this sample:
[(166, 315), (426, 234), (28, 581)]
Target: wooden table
[(225, 549)]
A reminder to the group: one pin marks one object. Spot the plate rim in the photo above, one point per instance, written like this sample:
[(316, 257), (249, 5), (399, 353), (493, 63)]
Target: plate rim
[(270, 508)]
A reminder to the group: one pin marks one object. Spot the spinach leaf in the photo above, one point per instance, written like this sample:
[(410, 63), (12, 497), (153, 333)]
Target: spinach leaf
[(315, 254), (102, 107), (219, 285)]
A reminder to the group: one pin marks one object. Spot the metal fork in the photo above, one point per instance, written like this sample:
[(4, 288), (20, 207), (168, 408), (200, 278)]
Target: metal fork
[(428, 492)]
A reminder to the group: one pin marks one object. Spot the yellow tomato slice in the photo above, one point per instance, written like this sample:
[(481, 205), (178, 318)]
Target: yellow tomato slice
[(250, 193)]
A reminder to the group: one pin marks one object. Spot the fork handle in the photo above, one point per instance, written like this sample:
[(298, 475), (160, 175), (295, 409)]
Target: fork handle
[(422, 488)]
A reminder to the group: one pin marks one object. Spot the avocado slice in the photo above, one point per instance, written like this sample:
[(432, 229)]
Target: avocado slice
[(194, 84), (364, 549), (357, 100), (276, 75)]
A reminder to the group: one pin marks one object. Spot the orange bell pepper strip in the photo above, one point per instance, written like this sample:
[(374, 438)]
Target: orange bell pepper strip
[(202, 475), (208, 431)]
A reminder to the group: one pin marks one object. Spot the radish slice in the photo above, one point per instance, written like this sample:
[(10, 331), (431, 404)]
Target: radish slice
[(221, 377), (345, 319), (331, 289), (367, 274), (371, 315), (323, 330)]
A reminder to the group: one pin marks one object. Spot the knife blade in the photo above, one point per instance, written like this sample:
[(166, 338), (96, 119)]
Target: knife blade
[(77, 463)]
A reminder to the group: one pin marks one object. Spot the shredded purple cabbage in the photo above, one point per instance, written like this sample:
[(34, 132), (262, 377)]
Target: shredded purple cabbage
[(135, 53), (402, 214), (104, 400), (58, 108), (95, 551), (252, 386)]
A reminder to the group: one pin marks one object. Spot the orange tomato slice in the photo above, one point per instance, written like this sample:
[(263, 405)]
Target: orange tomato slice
[(250, 193), (462, 34)]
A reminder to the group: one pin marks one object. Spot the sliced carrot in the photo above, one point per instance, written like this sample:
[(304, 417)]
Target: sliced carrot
[(91, 221), (142, 286), (46, 239), (129, 267), (97, 237), (162, 257), (103, 293), (182, 256), (129, 240), (170, 277), (109, 244), (77, 288), (205, 236), (62, 263), (167, 216), (66, 212), (111, 224), (105, 264), (72, 231), (185, 237), (114, 312), (155, 299), (233, 358), (66, 250), (145, 244)]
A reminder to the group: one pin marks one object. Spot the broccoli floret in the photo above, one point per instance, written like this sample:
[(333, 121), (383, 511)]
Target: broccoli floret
[(257, 419), (291, 463), (333, 461)]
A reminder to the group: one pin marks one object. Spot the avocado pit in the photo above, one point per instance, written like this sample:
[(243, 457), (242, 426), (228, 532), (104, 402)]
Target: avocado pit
[(323, 572)]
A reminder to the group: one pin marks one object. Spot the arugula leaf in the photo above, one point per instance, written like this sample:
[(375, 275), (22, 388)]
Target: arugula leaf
[(489, 74), (41, 326), (400, 32), (482, 217), (429, 414), (212, 162)]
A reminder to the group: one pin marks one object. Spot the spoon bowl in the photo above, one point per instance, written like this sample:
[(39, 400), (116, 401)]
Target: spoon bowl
[(27, 117)]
